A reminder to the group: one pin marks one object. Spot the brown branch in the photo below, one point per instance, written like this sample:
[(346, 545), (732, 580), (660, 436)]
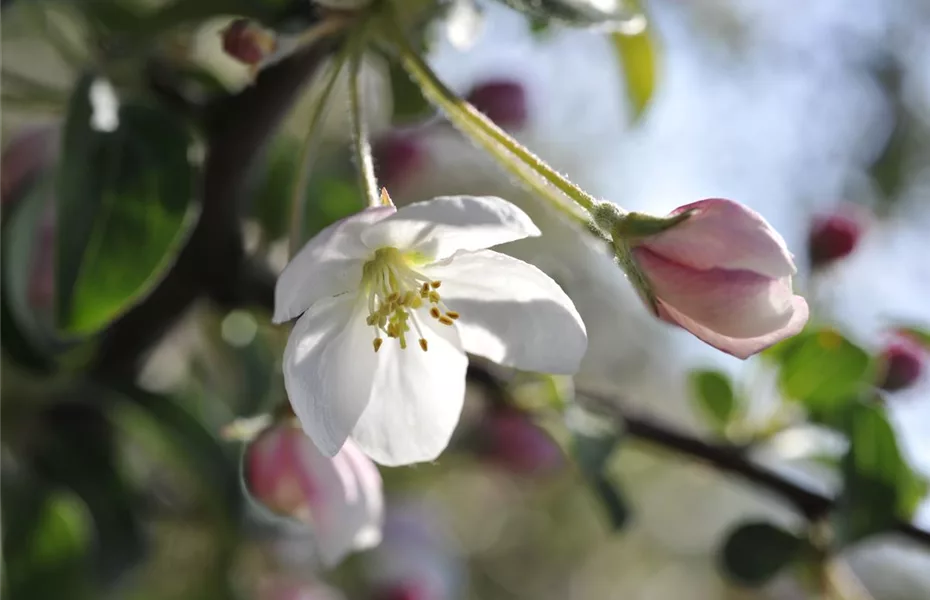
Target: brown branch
[(729, 459)]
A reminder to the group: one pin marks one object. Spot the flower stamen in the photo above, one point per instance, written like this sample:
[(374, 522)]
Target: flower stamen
[(396, 290)]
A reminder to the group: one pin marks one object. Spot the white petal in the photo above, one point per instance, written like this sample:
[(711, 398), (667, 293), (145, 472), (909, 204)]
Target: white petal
[(329, 370), (440, 227), (511, 312), (417, 399), (329, 264), (348, 509)]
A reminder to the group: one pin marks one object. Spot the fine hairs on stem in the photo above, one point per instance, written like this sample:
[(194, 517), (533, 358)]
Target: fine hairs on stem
[(361, 144)]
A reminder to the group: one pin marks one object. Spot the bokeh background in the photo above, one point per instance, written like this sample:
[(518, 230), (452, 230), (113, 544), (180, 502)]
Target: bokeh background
[(121, 475)]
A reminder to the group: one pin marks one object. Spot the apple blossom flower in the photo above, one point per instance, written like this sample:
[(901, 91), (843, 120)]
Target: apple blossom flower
[(392, 299), (339, 497), (725, 276)]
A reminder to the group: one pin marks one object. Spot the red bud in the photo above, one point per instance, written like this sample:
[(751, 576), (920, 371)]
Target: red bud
[(504, 102), (902, 362), (833, 237)]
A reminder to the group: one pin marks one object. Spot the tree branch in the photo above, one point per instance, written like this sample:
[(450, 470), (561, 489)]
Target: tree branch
[(729, 459)]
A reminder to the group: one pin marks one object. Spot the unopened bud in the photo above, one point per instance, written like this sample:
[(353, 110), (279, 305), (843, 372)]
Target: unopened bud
[(831, 238), (248, 42), (902, 363), (503, 101), (397, 156), (514, 442)]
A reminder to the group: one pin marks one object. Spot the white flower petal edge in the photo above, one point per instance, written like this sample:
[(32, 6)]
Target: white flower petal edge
[(440, 227), (329, 264), (512, 313), (329, 370), (416, 401)]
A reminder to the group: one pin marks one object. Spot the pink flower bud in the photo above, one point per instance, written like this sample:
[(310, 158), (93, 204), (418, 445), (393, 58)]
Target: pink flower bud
[(513, 441), (405, 591), (725, 276), (831, 238), (397, 156), (504, 102), (247, 42), (340, 498), (902, 363)]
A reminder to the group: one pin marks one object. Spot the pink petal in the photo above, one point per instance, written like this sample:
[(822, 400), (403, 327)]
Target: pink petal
[(737, 311), (724, 234)]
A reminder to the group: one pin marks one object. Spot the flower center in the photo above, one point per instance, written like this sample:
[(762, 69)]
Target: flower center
[(395, 292)]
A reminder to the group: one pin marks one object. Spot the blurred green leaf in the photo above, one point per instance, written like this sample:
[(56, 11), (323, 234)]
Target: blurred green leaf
[(23, 337), (54, 560), (78, 453), (272, 192), (592, 453), (638, 55), (756, 552), (824, 371), (409, 103), (714, 396), (879, 486), (125, 206)]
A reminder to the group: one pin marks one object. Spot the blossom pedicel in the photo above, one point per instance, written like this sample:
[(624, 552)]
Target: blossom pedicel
[(389, 303), (724, 275)]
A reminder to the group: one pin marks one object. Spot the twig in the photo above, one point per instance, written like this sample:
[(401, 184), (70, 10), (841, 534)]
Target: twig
[(730, 459)]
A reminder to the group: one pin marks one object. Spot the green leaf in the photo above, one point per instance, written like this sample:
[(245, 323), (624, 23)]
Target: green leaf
[(592, 453), (23, 336), (714, 396), (880, 488), (53, 560), (824, 371), (755, 552), (125, 206), (409, 103), (638, 55)]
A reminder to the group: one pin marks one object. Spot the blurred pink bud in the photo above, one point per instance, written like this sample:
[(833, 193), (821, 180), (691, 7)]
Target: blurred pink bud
[(340, 498), (405, 591), (513, 441), (503, 101), (42, 269), (397, 156), (247, 42), (725, 276), (833, 237), (902, 364), (284, 589)]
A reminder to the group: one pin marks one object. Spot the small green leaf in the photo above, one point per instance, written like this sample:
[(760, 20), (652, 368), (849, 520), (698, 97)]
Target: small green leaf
[(824, 371), (409, 103), (125, 206), (714, 396), (591, 453), (638, 55), (756, 552), (880, 488)]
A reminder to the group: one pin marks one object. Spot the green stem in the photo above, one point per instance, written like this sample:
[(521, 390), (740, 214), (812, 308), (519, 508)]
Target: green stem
[(305, 162), (361, 143), (476, 125)]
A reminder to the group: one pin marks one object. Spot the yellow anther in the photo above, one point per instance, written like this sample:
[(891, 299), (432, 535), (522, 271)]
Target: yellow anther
[(434, 297), (445, 320), (434, 312), (409, 298), (403, 343), (423, 344), (417, 302), (393, 298), (452, 314), (435, 284), (377, 343), (424, 289)]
